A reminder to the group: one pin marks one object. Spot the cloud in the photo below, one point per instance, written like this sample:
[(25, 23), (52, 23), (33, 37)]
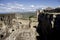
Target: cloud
[(32, 6), (17, 7), (1, 4), (58, 6), (9, 7)]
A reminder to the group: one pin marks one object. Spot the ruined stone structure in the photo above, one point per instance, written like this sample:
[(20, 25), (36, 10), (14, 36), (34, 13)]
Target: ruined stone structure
[(13, 27), (7, 18)]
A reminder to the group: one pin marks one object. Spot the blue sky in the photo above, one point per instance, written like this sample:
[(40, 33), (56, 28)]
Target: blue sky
[(26, 5)]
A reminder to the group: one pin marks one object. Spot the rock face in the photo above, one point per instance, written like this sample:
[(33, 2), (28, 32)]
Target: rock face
[(26, 34), (15, 28), (5, 24), (49, 26)]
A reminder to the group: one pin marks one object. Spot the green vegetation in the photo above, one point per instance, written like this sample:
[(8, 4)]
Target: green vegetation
[(27, 15)]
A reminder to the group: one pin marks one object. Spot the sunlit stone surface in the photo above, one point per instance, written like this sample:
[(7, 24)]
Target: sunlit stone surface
[(13, 27)]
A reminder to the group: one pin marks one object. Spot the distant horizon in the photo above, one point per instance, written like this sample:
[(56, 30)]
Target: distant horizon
[(17, 12), (26, 11), (26, 5)]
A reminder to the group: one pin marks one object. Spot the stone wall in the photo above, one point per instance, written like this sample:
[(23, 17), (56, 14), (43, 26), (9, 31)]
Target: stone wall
[(20, 34), (7, 18), (16, 28), (5, 24)]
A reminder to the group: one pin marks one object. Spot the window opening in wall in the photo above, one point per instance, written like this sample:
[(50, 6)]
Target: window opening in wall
[(1, 36), (12, 29), (20, 22), (34, 26), (1, 19)]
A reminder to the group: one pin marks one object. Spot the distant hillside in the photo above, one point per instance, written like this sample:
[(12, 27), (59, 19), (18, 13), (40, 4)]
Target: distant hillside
[(29, 14), (23, 15), (26, 15)]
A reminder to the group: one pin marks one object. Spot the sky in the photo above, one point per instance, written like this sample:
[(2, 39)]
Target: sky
[(26, 5)]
